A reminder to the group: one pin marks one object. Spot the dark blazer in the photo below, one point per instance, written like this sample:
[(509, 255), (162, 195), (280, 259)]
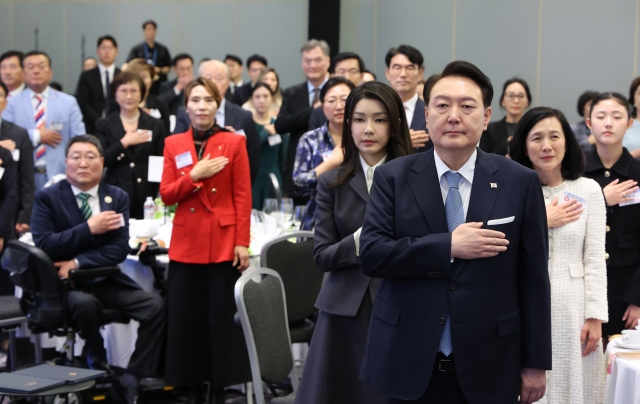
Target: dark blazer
[(293, 119), (500, 307), (153, 102), (91, 98), (243, 93), (237, 118), (317, 119), (168, 95), (494, 139), (128, 168), (59, 229), (25, 167), (163, 59), (623, 224), (339, 214), (234, 97), (8, 195), (419, 123)]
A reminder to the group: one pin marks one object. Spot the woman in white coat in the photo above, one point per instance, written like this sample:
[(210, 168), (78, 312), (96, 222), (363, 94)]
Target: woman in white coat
[(576, 216)]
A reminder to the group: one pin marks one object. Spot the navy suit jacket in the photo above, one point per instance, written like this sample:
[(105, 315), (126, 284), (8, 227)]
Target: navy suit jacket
[(238, 118), (339, 214), (419, 123), (499, 307), (59, 229)]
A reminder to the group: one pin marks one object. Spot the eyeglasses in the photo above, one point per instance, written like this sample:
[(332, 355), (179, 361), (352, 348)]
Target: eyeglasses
[(334, 101), (513, 97), (344, 72)]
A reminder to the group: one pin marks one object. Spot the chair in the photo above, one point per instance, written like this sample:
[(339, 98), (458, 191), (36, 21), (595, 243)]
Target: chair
[(11, 318), (45, 296), (275, 186), (262, 311), (301, 278)]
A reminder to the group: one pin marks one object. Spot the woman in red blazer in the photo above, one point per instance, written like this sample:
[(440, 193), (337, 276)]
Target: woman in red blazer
[(206, 172)]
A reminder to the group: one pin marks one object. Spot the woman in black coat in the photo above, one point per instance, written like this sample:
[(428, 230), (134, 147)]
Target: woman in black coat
[(369, 139), (515, 100), (150, 104), (129, 136), (618, 173)]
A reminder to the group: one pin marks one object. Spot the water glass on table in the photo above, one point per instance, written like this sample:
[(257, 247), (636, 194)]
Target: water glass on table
[(298, 216), (270, 206), (286, 212)]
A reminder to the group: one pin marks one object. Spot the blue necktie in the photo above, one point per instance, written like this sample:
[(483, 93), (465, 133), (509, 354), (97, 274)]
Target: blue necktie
[(455, 217)]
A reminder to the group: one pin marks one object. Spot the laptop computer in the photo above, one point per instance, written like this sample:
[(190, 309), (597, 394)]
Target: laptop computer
[(66, 374), (23, 384)]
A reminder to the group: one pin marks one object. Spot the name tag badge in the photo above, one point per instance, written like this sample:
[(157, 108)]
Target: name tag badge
[(274, 139), (567, 196), (16, 154), (146, 130), (183, 160), (56, 126), (1, 172), (635, 196), (326, 155)]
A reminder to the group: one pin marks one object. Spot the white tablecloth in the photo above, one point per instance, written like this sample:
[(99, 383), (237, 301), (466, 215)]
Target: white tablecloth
[(623, 375)]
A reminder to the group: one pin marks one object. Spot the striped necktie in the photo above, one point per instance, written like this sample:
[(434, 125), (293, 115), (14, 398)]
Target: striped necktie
[(38, 117), (85, 208), (455, 217)]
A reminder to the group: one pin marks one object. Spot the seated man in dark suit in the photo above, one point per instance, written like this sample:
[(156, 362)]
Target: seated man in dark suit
[(172, 92), (16, 140), (82, 223), (92, 91), (228, 115)]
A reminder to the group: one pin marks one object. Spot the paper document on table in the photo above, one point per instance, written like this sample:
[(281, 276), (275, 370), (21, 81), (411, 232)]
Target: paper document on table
[(156, 165)]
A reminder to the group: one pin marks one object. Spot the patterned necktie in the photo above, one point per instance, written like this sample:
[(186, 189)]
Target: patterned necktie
[(84, 207), (455, 217), (39, 124), (316, 96)]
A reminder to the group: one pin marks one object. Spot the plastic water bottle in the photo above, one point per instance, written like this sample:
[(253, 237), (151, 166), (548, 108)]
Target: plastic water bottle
[(149, 208)]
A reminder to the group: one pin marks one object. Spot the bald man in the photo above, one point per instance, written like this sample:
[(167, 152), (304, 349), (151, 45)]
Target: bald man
[(229, 115)]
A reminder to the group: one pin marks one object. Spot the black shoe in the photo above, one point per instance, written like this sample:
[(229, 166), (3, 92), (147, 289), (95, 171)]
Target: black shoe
[(195, 395), (127, 387), (216, 396)]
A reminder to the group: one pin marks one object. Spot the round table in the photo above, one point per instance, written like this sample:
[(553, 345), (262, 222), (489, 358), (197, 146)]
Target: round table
[(623, 375)]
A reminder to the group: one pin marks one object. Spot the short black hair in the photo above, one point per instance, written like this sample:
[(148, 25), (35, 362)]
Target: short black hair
[(179, 57), (234, 58), (4, 87), (428, 84), (126, 77), (84, 139), (11, 54), (345, 56), (584, 99), (519, 81), (107, 38), (409, 51), (468, 70), (144, 24), (261, 84), (36, 53), (332, 82), (632, 91), (256, 58), (573, 161), (619, 98), (371, 73)]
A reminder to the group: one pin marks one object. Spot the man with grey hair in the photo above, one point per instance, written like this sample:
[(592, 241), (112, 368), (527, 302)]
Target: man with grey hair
[(229, 115), (298, 101)]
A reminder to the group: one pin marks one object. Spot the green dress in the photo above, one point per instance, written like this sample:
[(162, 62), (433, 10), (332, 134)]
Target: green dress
[(272, 160)]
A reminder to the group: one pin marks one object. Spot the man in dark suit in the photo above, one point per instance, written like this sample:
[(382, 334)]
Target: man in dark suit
[(81, 223), (255, 65), (228, 115), (16, 140), (459, 236), (156, 54), (297, 103), (93, 90), (172, 92), (405, 67)]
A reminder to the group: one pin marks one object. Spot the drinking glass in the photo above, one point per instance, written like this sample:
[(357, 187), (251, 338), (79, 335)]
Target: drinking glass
[(270, 206), (286, 210), (298, 215)]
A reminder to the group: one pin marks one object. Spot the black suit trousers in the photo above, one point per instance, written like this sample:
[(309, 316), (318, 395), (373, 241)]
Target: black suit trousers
[(86, 303)]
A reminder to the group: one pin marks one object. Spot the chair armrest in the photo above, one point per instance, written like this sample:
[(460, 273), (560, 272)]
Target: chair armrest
[(91, 273)]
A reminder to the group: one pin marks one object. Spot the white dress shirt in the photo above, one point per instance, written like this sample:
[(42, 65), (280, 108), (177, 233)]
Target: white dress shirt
[(410, 107), (220, 113), (368, 175), (34, 103), (112, 70), (17, 91), (311, 89)]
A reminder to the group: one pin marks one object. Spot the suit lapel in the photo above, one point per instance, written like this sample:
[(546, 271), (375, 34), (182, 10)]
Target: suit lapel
[(418, 122), (359, 184), (143, 123), (106, 200), (483, 194), (97, 82), (229, 116), (69, 202), (425, 186), (52, 112)]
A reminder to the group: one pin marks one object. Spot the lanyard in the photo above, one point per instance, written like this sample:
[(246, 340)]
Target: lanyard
[(155, 54)]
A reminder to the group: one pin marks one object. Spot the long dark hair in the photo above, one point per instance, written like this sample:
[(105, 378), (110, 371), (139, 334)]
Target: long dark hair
[(573, 161), (399, 141)]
